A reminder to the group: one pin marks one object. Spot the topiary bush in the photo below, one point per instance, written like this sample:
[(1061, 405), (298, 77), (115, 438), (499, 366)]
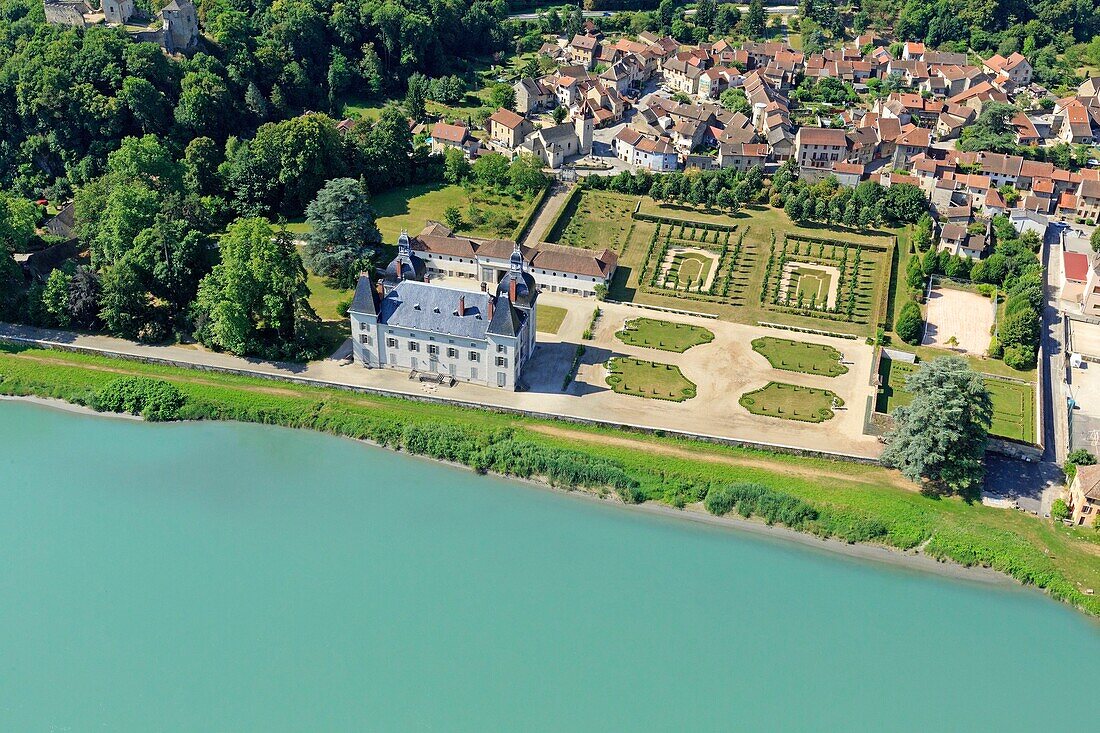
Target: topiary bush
[(909, 322), (153, 399)]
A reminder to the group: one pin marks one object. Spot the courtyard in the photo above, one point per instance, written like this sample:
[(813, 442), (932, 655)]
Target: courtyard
[(958, 319)]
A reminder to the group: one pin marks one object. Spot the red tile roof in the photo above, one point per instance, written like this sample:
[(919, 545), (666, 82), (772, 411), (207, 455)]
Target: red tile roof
[(1076, 266)]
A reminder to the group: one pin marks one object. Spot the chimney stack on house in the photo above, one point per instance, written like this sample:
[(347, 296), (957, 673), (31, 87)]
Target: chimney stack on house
[(462, 305)]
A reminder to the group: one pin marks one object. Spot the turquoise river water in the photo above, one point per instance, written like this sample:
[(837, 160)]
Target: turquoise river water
[(223, 577)]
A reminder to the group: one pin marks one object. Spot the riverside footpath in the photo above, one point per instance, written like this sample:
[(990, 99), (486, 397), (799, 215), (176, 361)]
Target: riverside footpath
[(586, 401)]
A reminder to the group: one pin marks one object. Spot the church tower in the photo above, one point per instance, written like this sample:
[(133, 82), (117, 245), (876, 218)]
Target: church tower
[(583, 125)]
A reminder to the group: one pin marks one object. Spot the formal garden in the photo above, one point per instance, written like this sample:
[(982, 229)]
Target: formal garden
[(641, 378), (792, 402), (752, 266), (826, 279), (799, 356), (664, 335), (1013, 400)]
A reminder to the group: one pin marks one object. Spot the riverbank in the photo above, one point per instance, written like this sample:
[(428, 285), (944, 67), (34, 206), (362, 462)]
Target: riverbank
[(853, 505), (912, 559)]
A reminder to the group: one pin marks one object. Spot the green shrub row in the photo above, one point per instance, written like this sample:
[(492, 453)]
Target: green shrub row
[(153, 399), (756, 500)]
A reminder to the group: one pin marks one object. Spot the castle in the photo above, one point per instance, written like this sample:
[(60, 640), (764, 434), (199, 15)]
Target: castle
[(405, 322), (178, 30)]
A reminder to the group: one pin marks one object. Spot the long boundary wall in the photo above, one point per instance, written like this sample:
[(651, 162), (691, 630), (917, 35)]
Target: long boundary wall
[(307, 381)]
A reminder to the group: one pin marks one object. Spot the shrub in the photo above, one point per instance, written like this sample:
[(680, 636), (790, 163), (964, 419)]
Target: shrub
[(908, 325), (153, 399), (996, 350), (1079, 457), (1019, 357), (1059, 510), (755, 499)]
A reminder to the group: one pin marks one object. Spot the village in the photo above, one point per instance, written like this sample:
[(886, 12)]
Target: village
[(745, 236)]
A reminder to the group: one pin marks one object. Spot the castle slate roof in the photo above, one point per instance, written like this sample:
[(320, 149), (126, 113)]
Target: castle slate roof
[(434, 308)]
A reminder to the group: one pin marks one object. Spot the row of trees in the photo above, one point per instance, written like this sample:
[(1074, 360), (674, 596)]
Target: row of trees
[(723, 188), (868, 204)]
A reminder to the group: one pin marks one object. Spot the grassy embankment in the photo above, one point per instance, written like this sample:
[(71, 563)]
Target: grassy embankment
[(852, 502)]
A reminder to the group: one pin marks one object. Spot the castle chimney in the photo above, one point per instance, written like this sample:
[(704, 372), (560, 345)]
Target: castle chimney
[(492, 307), (380, 289), (462, 305), (484, 287), (512, 290)]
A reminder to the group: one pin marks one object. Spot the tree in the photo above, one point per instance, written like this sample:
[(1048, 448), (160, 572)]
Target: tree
[(525, 173), (255, 300), (1094, 240), (754, 23), (123, 303), (452, 217), (559, 113), (342, 231), (491, 170), (18, 218), (734, 100), (906, 203), (914, 274), (909, 322), (84, 293), (456, 168), (416, 96), (55, 298), (939, 438), (502, 95), (1059, 510)]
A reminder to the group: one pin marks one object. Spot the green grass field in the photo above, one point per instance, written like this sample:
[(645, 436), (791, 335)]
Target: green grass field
[(1013, 402), (411, 207), (595, 220), (663, 335), (791, 402), (649, 379), (856, 502), (799, 356), (691, 269), (549, 318), (811, 284)]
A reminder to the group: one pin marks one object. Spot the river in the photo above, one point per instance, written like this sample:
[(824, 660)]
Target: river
[(185, 577)]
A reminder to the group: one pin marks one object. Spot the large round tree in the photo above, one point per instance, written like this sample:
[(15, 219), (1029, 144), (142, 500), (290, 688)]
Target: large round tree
[(939, 438), (343, 232)]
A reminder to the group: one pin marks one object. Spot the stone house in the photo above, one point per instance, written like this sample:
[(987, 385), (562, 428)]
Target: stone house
[(1084, 496), (508, 129)]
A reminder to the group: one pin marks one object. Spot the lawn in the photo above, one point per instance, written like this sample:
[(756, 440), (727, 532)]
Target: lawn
[(811, 286), (1013, 402), (649, 379), (799, 356), (663, 335), (595, 220), (691, 269), (791, 402), (549, 318), (363, 109), (856, 503), (410, 207)]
